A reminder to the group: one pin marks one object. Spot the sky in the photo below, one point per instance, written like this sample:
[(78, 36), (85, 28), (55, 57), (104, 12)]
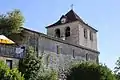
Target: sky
[(103, 15)]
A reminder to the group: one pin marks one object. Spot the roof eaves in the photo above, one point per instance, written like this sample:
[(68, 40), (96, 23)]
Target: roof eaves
[(89, 26)]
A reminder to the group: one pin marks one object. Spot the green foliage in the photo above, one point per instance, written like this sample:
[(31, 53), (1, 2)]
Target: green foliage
[(7, 74), (33, 68), (52, 75), (31, 65), (117, 69), (89, 71), (11, 22), (48, 75), (117, 76)]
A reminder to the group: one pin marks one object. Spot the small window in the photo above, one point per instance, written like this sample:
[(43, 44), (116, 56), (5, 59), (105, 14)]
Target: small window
[(57, 33), (9, 63), (85, 33), (42, 49), (67, 32), (97, 59), (58, 49), (91, 36), (73, 53), (87, 57)]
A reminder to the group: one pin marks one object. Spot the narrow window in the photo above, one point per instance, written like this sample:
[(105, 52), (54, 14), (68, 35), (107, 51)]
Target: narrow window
[(57, 33), (73, 53), (91, 36), (85, 33), (58, 49), (42, 49), (87, 57), (9, 63), (67, 32), (97, 59)]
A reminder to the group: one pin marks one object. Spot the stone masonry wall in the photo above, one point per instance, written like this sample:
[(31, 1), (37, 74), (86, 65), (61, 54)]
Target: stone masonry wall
[(15, 61), (58, 53), (87, 42), (76, 34), (48, 45), (74, 31)]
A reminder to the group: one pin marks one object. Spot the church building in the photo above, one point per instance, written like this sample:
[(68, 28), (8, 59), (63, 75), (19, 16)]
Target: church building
[(68, 39)]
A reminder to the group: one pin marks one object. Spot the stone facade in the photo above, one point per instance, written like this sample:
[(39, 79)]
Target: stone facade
[(74, 38), (77, 34), (15, 61), (8, 53), (59, 52), (92, 44), (50, 45)]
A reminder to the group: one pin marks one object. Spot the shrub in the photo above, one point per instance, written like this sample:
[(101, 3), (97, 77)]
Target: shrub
[(49, 75), (89, 71), (7, 74), (33, 68)]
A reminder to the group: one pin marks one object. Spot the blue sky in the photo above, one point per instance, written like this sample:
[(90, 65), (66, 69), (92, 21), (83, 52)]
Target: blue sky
[(104, 15)]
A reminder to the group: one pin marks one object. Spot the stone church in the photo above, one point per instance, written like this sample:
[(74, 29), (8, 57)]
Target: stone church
[(68, 39)]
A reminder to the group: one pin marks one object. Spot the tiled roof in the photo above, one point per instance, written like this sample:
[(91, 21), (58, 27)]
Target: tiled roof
[(71, 16)]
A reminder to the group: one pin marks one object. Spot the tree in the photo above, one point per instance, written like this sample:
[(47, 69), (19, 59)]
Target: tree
[(33, 68), (117, 69), (11, 22), (30, 65), (7, 74), (89, 71)]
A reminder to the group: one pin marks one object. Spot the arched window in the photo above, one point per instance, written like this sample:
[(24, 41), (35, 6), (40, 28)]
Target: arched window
[(85, 33), (67, 32), (57, 33), (91, 36), (87, 57)]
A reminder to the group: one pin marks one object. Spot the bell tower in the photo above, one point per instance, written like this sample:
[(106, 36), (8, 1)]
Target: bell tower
[(71, 28)]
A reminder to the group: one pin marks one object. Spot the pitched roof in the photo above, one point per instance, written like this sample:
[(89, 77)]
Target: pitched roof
[(71, 16)]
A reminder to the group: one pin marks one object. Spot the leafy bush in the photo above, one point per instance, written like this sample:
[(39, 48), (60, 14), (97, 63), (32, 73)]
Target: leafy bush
[(30, 65), (52, 75), (7, 74), (33, 68), (89, 71), (49, 75)]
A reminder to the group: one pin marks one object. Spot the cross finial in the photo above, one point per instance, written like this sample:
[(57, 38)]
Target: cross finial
[(72, 6)]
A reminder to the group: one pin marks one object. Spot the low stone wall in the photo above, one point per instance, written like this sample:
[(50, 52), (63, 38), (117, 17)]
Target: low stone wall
[(9, 51)]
